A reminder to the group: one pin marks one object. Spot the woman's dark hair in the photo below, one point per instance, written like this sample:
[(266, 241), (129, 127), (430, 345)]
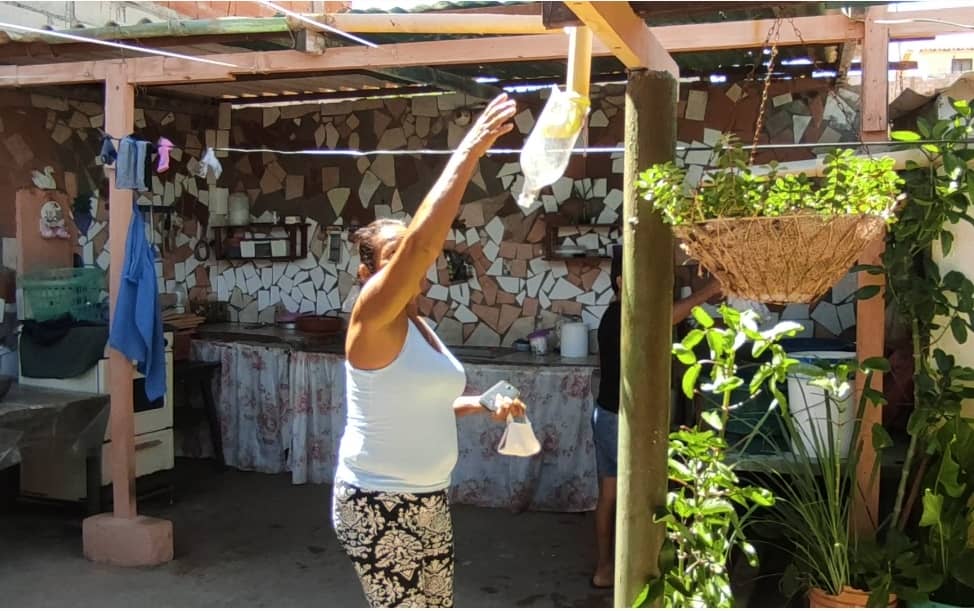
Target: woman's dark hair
[(369, 241), (615, 270)]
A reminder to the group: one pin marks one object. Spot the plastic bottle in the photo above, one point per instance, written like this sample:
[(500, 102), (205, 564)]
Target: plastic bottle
[(549, 146)]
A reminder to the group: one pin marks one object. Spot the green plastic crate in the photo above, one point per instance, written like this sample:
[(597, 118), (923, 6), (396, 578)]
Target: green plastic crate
[(52, 293)]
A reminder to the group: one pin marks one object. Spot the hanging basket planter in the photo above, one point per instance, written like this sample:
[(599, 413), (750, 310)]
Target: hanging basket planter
[(774, 237), (780, 260)]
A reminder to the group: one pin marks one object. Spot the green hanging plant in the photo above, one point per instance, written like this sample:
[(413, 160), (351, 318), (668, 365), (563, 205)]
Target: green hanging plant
[(850, 185)]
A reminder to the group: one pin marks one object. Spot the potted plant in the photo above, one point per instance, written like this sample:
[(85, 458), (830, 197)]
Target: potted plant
[(770, 237), (814, 503), (708, 507)]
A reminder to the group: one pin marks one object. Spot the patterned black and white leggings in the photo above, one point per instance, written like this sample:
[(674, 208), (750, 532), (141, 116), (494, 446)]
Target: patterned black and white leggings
[(401, 545)]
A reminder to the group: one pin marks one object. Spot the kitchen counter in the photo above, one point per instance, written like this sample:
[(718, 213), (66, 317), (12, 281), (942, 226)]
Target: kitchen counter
[(303, 342), (280, 398)]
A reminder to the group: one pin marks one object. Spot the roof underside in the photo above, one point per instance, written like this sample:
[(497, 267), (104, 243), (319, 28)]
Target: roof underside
[(199, 38)]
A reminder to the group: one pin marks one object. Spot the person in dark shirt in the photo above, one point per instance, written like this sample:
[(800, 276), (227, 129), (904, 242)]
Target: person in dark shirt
[(605, 417)]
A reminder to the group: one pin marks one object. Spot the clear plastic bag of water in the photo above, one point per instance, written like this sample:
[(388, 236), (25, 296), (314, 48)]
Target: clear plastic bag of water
[(549, 146)]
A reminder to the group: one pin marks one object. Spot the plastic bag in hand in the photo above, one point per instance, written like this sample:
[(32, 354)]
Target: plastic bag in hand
[(549, 147)]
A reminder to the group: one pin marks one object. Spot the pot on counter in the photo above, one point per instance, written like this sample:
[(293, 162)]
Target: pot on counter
[(326, 324)]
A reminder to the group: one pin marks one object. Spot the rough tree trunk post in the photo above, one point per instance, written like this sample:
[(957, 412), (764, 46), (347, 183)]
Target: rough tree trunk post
[(647, 305)]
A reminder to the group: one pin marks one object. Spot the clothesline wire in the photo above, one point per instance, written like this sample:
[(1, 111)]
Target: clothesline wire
[(587, 150)]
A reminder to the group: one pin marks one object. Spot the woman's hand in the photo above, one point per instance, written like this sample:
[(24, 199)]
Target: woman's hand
[(506, 407), (493, 123), (470, 405)]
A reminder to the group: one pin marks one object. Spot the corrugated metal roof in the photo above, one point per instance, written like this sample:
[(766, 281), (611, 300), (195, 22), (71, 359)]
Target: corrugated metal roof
[(204, 37)]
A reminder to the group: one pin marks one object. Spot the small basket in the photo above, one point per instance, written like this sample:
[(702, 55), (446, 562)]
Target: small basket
[(76, 291), (780, 260)]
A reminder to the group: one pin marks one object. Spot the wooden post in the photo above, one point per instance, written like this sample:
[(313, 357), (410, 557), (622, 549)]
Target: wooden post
[(119, 122), (579, 60), (647, 305), (871, 313), (122, 538)]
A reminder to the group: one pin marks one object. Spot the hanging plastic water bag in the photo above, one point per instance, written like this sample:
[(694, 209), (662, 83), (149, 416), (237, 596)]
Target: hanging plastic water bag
[(549, 147)]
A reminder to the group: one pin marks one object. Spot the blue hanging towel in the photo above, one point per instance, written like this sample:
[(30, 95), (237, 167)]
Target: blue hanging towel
[(137, 325)]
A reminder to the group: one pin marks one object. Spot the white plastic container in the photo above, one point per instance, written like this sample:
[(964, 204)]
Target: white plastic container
[(574, 340), (810, 413), (549, 146), (239, 213)]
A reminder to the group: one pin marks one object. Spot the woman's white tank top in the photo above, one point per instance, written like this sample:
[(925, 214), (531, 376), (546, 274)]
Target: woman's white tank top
[(401, 430)]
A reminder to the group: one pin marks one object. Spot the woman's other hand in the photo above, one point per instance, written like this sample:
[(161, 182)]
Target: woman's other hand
[(493, 123), (505, 407)]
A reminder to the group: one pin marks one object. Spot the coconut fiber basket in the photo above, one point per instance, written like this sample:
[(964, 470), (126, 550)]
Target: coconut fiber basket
[(780, 260)]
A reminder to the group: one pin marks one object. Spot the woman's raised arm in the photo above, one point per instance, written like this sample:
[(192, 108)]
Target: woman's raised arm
[(388, 293)]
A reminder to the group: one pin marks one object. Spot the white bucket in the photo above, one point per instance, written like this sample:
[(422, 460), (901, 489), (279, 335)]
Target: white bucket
[(810, 413), (574, 340)]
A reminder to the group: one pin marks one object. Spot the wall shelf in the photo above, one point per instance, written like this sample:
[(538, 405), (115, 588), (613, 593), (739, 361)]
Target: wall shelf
[(553, 239), (263, 241)]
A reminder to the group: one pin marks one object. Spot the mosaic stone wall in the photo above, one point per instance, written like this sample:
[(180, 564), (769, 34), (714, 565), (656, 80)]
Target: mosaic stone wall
[(512, 289)]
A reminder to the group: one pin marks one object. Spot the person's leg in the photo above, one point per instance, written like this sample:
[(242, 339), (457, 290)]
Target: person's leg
[(433, 524), (373, 529), (606, 429)]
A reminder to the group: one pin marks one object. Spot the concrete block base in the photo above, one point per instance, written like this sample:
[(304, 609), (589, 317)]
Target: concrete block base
[(131, 542)]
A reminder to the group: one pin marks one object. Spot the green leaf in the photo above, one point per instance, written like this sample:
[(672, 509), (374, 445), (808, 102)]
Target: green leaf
[(713, 506), (874, 270), (946, 242), (881, 438), (712, 419), (760, 497), (959, 330), (867, 292), (874, 396), (701, 316), (690, 380), (729, 384), (717, 342), (933, 505), (876, 363), (694, 337), (904, 135), (949, 476), (642, 599), (684, 354)]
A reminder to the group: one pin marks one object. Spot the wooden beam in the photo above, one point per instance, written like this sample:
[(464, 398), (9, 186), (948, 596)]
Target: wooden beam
[(541, 47), (871, 313), (729, 35), (162, 70), (120, 119), (626, 34), (646, 340), (443, 80)]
